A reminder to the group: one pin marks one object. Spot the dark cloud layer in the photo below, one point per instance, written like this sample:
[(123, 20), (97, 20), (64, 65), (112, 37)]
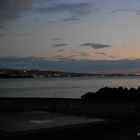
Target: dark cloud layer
[(61, 50), (121, 10), (101, 53), (138, 12), (60, 45), (74, 10), (69, 64), (61, 57), (104, 54), (57, 39), (2, 35), (126, 10), (12, 9), (95, 45), (70, 19), (83, 53)]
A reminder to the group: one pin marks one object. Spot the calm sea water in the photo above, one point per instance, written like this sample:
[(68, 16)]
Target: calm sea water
[(61, 87)]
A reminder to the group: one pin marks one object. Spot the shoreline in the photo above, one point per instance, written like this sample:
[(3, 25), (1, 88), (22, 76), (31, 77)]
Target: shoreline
[(122, 118)]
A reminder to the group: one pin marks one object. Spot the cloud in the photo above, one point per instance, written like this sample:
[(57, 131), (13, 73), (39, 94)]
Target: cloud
[(60, 45), (12, 9), (104, 54), (2, 35), (126, 10), (83, 53), (57, 39), (74, 11), (71, 64), (61, 57), (110, 56), (61, 50), (70, 19), (72, 56), (101, 53), (138, 12), (95, 45), (21, 34), (122, 10)]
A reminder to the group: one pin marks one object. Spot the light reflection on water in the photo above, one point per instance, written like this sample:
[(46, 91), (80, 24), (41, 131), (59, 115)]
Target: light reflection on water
[(61, 87)]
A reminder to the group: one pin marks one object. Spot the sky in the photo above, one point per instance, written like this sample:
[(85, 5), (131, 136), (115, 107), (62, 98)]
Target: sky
[(78, 35)]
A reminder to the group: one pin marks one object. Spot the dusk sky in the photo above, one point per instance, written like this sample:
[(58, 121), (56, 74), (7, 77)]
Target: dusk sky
[(70, 35)]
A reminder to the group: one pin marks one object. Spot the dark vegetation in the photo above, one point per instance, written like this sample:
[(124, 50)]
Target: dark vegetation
[(114, 93)]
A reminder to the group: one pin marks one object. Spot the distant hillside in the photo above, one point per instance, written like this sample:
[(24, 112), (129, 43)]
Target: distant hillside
[(25, 73)]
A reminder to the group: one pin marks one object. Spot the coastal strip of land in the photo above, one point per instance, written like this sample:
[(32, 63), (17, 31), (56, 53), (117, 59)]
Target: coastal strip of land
[(121, 115)]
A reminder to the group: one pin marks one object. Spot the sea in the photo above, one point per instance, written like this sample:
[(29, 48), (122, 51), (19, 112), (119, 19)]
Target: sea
[(67, 87)]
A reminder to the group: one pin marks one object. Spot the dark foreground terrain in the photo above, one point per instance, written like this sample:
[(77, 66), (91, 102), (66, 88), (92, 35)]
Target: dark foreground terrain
[(122, 118), (109, 131)]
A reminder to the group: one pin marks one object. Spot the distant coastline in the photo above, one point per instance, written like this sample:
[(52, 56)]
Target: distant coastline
[(23, 73)]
